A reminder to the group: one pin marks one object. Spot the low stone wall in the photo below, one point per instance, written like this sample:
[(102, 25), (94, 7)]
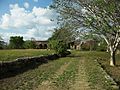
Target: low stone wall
[(20, 65)]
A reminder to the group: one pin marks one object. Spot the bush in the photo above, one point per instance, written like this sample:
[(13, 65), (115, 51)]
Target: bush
[(102, 47), (59, 46), (29, 45)]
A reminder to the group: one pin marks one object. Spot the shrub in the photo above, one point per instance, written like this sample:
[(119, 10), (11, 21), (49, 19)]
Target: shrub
[(59, 46), (29, 45)]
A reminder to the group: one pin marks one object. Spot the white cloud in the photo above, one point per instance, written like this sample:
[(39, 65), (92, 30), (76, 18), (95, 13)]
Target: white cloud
[(36, 23), (39, 33), (26, 5), (35, 0), (20, 17), (32, 33)]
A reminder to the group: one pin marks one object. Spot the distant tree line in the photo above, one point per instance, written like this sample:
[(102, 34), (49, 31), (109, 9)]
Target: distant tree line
[(17, 42), (59, 41)]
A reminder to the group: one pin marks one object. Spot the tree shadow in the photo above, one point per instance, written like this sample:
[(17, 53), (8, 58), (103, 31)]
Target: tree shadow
[(73, 56), (118, 66), (15, 71)]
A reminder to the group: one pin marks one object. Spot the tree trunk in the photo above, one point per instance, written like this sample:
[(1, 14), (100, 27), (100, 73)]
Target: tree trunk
[(107, 49), (112, 59)]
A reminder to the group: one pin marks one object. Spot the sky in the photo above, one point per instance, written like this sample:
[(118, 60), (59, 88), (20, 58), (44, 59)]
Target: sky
[(27, 18)]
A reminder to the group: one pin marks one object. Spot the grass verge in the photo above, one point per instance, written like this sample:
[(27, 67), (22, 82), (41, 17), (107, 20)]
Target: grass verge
[(9, 55)]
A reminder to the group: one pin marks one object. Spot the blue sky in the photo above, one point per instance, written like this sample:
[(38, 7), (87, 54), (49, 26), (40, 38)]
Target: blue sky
[(4, 4), (27, 18)]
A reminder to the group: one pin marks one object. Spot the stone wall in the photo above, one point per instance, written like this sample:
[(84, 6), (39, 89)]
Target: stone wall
[(41, 44), (20, 65)]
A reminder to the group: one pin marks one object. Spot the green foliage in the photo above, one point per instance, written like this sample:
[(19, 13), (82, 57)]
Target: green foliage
[(102, 47), (16, 42), (59, 46), (29, 45), (60, 39), (2, 44), (63, 34), (100, 16)]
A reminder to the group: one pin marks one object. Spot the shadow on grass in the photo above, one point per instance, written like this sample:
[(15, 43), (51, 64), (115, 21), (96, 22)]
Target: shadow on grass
[(73, 56), (118, 66), (111, 71), (14, 72)]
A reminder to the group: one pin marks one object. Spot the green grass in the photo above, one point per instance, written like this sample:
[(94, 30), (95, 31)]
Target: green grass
[(103, 58), (9, 55), (114, 72), (32, 78), (64, 81), (96, 75)]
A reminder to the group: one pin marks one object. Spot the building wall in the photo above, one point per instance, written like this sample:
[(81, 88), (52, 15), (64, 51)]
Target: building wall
[(41, 44), (88, 44), (72, 45)]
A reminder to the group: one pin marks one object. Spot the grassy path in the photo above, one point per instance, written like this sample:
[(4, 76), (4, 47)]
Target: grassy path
[(81, 81), (67, 78), (70, 76), (48, 84)]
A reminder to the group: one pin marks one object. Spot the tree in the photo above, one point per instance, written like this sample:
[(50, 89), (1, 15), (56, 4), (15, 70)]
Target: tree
[(64, 33), (59, 46), (29, 44), (2, 43), (60, 39), (16, 42), (101, 17)]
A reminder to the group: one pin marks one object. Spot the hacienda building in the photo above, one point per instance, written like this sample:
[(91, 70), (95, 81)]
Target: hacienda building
[(78, 45)]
